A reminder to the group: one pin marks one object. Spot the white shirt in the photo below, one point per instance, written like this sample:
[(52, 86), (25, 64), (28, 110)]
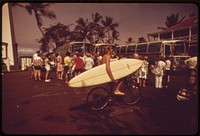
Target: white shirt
[(35, 56), (168, 64), (89, 62), (191, 62), (161, 64)]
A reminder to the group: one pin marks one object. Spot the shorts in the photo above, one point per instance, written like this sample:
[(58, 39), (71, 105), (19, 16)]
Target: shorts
[(79, 70), (47, 68), (38, 67), (66, 68)]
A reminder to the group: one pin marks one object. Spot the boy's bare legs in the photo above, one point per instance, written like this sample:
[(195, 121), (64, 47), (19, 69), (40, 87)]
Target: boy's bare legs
[(46, 76), (117, 91)]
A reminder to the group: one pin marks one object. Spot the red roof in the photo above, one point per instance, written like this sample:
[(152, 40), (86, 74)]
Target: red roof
[(187, 22)]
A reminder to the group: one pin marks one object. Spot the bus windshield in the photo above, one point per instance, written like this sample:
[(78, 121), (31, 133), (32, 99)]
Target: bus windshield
[(77, 47), (154, 47), (179, 48), (80, 47)]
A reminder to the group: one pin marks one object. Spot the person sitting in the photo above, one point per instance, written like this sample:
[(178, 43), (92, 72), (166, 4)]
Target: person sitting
[(106, 60)]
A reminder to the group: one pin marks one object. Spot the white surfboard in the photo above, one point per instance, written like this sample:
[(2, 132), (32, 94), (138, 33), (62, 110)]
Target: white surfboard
[(98, 75)]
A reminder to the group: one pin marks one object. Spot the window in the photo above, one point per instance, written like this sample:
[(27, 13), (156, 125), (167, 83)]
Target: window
[(166, 35), (193, 49), (77, 47), (117, 49), (179, 48), (182, 32), (141, 48), (131, 49), (167, 49), (123, 49), (154, 47)]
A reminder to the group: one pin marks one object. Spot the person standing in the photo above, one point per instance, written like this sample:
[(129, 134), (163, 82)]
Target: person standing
[(33, 68), (47, 67), (143, 71), (67, 66), (99, 58), (158, 70), (79, 67), (166, 77), (37, 62), (135, 75), (187, 98), (191, 87), (59, 67), (88, 62)]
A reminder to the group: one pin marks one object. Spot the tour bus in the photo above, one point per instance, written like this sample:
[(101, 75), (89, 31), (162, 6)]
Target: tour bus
[(100, 48), (174, 49), (72, 47)]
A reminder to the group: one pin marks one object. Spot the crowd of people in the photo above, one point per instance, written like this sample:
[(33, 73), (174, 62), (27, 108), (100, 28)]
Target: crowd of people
[(72, 64), (65, 67)]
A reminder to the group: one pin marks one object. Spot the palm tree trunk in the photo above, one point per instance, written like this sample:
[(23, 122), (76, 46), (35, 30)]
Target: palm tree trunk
[(46, 45), (39, 26)]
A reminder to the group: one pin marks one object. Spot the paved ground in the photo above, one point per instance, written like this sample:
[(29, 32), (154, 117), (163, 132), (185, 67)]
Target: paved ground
[(35, 107)]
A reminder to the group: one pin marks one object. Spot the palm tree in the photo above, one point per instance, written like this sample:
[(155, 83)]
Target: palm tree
[(109, 26), (129, 41), (141, 40), (82, 29), (96, 18), (115, 36), (58, 33), (39, 10), (95, 27), (173, 19), (100, 36)]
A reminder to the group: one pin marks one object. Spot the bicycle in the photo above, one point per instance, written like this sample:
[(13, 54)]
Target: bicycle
[(99, 97)]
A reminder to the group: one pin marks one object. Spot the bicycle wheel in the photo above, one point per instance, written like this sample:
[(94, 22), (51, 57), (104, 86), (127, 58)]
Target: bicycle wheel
[(97, 98), (132, 93)]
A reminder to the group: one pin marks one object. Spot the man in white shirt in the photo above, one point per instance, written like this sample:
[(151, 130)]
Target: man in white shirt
[(88, 61)]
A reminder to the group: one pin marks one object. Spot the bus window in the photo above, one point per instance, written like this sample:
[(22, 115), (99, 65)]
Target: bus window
[(77, 47), (88, 47), (141, 48), (178, 48), (81, 47), (131, 49), (117, 50), (123, 49), (154, 47), (167, 50), (193, 50)]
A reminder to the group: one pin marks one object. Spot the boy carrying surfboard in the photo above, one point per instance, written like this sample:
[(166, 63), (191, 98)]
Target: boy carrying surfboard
[(106, 60)]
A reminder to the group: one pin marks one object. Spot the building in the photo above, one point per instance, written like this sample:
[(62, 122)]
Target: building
[(187, 30), (9, 45)]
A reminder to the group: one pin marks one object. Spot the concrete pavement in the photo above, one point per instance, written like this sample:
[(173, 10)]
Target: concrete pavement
[(36, 107)]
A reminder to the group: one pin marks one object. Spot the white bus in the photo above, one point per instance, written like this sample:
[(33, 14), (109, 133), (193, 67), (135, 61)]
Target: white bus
[(72, 47), (100, 47), (174, 49)]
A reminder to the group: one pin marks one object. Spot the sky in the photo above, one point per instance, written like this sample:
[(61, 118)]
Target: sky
[(135, 19)]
